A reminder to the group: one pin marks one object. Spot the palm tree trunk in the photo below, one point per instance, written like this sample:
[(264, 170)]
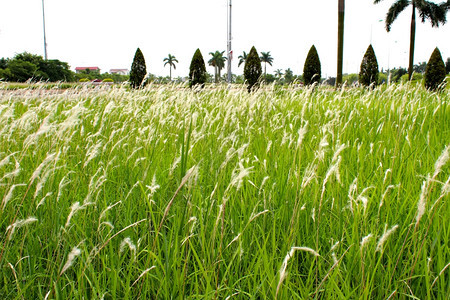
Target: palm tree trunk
[(215, 75), (411, 42), (340, 58), (170, 76), (265, 73)]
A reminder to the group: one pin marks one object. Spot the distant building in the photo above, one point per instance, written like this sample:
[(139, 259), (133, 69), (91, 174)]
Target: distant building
[(119, 71), (93, 70)]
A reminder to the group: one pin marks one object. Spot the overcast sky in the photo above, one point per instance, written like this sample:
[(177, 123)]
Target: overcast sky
[(106, 33)]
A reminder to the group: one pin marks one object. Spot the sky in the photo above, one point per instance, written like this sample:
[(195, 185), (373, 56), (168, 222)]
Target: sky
[(106, 33)]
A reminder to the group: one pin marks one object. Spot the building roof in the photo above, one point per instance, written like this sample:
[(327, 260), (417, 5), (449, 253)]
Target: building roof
[(118, 70)]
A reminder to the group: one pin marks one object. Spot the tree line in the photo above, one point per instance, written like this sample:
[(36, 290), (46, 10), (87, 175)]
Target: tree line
[(25, 67), (435, 70)]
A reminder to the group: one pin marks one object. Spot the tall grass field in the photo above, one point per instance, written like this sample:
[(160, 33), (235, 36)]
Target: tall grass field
[(168, 193)]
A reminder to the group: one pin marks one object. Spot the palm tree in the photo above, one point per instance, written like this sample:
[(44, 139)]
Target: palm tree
[(340, 58), (278, 73), (171, 60), (436, 13), (242, 58), (218, 62), (266, 59)]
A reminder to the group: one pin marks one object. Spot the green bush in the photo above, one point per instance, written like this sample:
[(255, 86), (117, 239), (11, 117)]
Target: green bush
[(312, 68), (138, 70), (368, 74), (108, 80), (84, 80), (252, 69), (415, 78), (197, 70), (435, 71)]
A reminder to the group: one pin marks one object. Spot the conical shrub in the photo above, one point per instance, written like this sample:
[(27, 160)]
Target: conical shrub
[(138, 70), (312, 69), (435, 71), (252, 70), (368, 74), (197, 70)]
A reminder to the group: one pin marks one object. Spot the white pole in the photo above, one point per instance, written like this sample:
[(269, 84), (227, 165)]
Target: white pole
[(45, 39), (229, 51)]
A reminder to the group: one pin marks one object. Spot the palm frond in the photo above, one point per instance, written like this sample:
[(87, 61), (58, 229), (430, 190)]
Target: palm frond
[(436, 13), (394, 12)]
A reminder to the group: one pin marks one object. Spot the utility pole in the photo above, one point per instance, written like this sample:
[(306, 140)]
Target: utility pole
[(341, 11), (45, 39), (229, 51)]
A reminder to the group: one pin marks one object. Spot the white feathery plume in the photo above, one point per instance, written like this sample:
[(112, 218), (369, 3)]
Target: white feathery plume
[(142, 274), (301, 134), (9, 196), (18, 224), (73, 209), (43, 199), (288, 256), (103, 213), (422, 200), (365, 240), (385, 236), (12, 173), (70, 259), (442, 160), (38, 170), (128, 242)]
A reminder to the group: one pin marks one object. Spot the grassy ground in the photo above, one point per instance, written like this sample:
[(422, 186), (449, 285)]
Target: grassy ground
[(167, 193)]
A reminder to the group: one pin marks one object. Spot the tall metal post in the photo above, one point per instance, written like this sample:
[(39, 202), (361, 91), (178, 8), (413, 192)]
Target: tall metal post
[(229, 51), (45, 39)]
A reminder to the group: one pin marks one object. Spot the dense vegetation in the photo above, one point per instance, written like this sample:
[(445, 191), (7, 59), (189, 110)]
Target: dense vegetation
[(168, 193), (26, 66)]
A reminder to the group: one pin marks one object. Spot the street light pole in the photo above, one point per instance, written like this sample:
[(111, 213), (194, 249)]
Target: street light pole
[(45, 39), (229, 51)]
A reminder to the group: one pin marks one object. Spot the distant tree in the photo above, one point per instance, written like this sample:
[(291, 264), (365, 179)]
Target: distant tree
[(289, 76), (396, 74), (242, 58), (278, 73), (218, 62), (54, 70), (252, 69), (447, 65), (3, 63), (312, 69), (435, 71), (32, 58), (170, 60), (420, 67), (428, 10), (21, 70), (266, 58), (369, 68), (197, 70), (138, 70)]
